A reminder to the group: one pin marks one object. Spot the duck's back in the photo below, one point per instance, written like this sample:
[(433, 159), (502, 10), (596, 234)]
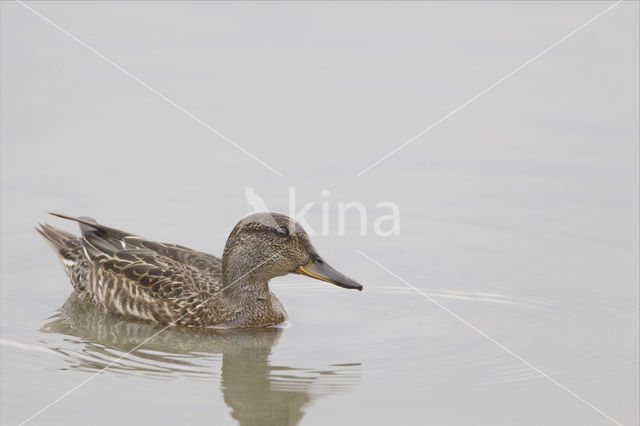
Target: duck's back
[(137, 277)]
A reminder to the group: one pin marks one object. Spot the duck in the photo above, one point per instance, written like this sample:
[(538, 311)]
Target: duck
[(169, 284)]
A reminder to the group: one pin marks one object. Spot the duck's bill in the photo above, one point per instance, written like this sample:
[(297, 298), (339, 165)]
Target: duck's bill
[(320, 270)]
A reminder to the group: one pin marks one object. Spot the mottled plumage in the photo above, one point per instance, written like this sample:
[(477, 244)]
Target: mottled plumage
[(174, 285)]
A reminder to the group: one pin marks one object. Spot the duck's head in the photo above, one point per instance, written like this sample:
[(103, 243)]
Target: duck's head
[(263, 246)]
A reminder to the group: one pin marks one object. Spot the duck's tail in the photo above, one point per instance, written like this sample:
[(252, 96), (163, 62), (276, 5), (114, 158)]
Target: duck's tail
[(68, 247), (58, 239)]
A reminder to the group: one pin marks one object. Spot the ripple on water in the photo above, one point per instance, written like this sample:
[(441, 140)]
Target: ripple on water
[(589, 335)]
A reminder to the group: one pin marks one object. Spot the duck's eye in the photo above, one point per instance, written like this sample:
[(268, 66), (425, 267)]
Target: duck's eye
[(282, 231)]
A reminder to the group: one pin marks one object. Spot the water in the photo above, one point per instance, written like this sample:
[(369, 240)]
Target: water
[(519, 214)]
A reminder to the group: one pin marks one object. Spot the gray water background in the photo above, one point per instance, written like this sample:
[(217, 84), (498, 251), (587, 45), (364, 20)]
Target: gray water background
[(519, 213)]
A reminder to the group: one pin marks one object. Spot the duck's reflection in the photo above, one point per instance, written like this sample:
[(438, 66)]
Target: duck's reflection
[(256, 391)]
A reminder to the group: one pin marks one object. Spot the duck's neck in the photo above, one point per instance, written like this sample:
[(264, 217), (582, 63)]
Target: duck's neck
[(240, 288), (246, 299)]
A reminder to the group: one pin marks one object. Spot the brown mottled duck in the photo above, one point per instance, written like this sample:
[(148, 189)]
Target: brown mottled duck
[(174, 285)]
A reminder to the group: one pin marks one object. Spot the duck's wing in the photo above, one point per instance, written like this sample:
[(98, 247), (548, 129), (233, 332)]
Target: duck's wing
[(161, 270), (124, 240), (158, 276)]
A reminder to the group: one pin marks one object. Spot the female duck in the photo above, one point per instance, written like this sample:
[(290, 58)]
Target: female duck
[(173, 285)]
